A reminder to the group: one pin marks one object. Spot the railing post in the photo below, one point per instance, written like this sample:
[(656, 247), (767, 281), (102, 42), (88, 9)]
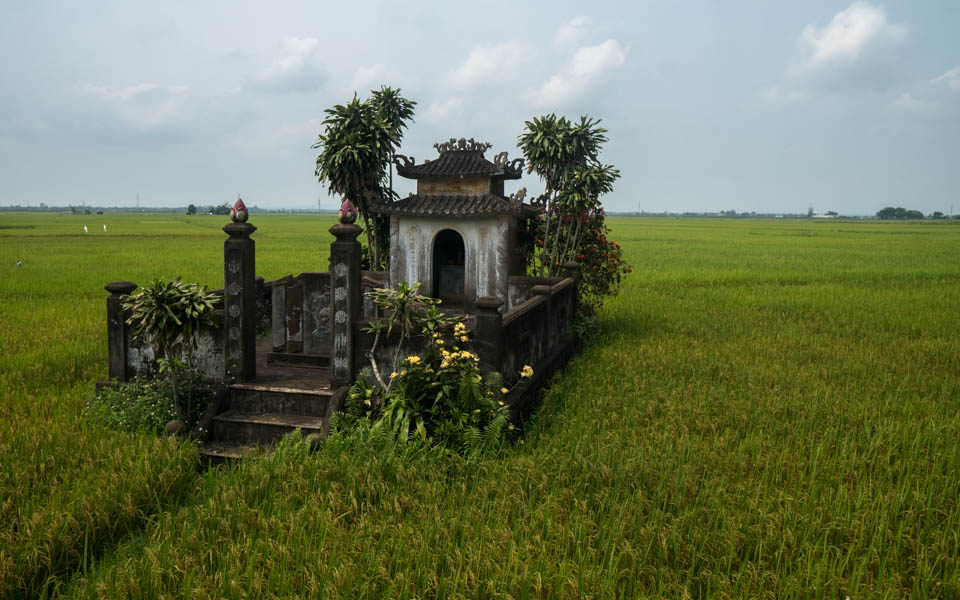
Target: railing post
[(571, 269), (488, 337), (345, 300), (239, 303), (546, 322), (117, 329)]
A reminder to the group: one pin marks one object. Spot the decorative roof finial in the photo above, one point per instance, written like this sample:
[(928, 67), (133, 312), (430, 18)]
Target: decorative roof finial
[(239, 213), (347, 213)]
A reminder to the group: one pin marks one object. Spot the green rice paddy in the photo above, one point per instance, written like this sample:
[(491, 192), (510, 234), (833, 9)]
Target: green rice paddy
[(771, 409)]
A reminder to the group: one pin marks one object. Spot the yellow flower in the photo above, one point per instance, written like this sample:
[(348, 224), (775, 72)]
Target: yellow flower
[(465, 354), (413, 360), (436, 335), (459, 327), (477, 378), (393, 375), (464, 339), (527, 371), (500, 402), (510, 427), (439, 342), (477, 411), (504, 391), (403, 372)]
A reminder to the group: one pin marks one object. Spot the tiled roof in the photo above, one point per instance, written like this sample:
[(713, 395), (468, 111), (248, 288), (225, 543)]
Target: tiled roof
[(461, 163), (457, 205)]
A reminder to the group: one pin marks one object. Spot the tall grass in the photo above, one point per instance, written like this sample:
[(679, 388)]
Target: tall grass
[(771, 409)]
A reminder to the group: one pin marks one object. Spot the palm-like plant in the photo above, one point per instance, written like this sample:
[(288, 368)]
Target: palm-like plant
[(356, 146), (395, 110), (170, 313), (566, 157)]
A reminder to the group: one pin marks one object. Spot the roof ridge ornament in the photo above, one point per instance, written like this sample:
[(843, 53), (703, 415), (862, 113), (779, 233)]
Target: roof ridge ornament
[(462, 145), (500, 160), (519, 195), (408, 161)]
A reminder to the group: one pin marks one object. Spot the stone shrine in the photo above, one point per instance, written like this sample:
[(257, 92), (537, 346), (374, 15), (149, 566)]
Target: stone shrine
[(457, 235)]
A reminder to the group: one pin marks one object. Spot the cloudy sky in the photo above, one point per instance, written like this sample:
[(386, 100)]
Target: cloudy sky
[(751, 105)]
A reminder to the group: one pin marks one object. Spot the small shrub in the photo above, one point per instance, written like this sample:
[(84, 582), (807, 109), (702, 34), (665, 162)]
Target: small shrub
[(147, 405), (435, 396)]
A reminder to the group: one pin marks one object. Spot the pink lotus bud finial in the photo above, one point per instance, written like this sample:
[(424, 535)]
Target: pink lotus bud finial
[(239, 214), (348, 212)]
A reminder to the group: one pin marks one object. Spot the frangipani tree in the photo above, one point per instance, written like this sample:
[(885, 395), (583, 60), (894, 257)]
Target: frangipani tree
[(566, 157)]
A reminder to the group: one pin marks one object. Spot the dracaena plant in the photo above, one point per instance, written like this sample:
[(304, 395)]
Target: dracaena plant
[(170, 313)]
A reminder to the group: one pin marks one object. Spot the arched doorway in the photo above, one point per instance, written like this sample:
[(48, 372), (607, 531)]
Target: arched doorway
[(448, 261)]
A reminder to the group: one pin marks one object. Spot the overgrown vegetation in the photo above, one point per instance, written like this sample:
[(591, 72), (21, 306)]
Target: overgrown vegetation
[(171, 314), (435, 393), (758, 417), (146, 404), (571, 227)]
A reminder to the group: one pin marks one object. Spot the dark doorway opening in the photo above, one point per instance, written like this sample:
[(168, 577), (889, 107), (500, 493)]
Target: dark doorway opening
[(448, 261)]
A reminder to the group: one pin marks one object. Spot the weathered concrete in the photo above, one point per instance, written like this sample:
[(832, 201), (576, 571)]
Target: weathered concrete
[(345, 271), (117, 330), (240, 303), (487, 253)]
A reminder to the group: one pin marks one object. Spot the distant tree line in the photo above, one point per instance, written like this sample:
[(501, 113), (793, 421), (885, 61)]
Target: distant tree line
[(898, 213), (219, 209)]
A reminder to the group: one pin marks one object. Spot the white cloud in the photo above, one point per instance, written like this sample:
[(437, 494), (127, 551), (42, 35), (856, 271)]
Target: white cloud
[(492, 63), (950, 79), (368, 78), (298, 134), (588, 64), (906, 102), (851, 34), (298, 68), (570, 32), (439, 111), (144, 107)]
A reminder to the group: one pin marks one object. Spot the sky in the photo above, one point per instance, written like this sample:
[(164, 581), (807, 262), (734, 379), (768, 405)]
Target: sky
[(746, 105)]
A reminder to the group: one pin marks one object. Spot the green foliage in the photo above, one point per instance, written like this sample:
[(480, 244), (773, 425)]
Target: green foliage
[(146, 404), (436, 395), (898, 213), (171, 313), (356, 145), (192, 209), (566, 157), (758, 417)]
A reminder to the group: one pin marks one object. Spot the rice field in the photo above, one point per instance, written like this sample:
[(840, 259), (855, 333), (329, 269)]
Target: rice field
[(771, 409)]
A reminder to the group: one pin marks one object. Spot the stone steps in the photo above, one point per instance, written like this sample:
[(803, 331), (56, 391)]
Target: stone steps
[(259, 413), (241, 428)]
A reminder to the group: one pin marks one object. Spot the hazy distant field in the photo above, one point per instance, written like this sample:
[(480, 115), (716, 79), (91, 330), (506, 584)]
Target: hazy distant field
[(772, 409)]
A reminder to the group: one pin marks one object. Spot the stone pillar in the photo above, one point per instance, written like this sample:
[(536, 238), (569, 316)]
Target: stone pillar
[(345, 301), (117, 329), (488, 337), (239, 304)]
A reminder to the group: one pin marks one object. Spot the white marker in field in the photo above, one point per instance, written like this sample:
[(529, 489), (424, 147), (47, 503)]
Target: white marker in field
[(19, 263), (85, 229), (104, 227)]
